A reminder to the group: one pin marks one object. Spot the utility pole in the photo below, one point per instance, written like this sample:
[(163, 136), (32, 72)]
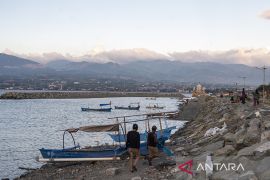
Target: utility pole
[(263, 69), (244, 79)]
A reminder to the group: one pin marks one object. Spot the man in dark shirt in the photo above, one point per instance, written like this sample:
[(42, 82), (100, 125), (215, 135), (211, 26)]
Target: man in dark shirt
[(133, 145), (152, 145)]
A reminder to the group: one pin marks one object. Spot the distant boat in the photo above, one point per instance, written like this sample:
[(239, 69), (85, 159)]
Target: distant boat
[(155, 106), (151, 98), (130, 107), (102, 108)]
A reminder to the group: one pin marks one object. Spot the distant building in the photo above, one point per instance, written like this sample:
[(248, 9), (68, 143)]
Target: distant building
[(199, 90)]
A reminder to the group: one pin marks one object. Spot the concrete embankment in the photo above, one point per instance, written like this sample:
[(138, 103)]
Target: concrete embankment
[(82, 94), (245, 140)]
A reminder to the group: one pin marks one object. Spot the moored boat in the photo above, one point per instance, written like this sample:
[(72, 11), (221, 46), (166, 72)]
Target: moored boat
[(155, 106), (103, 108), (130, 107)]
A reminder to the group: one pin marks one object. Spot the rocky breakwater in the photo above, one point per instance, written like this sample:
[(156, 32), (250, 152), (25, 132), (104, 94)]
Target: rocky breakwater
[(82, 94), (234, 138)]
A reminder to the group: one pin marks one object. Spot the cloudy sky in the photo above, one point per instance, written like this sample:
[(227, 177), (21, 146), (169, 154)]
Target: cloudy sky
[(233, 31)]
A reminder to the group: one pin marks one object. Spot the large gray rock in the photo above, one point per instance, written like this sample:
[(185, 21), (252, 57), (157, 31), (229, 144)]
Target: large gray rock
[(250, 175), (161, 163), (265, 175), (136, 178), (247, 151), (239, 139), (214, 146), (252, 135), (227, 150), (262, 150), (267, 125), (179, 149), (263, 166), (265, 136), (225, 175), (247, 163), (112, 171), (264, 112)]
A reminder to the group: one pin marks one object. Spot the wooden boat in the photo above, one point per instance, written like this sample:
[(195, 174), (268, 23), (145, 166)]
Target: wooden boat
[(166, 134), (155, 106), (102, 108), (130, 107), (101, 153), (151, 98), (75, 153)]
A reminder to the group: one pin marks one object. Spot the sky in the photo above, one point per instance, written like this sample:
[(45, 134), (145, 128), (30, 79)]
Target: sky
[(167, 27)]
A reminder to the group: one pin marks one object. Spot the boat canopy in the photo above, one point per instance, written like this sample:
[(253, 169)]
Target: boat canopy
[(100, 128)]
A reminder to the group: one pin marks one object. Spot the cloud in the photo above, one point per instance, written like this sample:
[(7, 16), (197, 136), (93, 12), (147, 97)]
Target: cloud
[(127, 55), (265, 14), (252, 57)]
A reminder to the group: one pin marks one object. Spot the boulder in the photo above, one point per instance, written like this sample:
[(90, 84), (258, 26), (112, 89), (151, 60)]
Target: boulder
[(265, 175), (112, 171), (229, 139), (263, 166), (267, 125), (214, 146), (247, 163), (161, 163), (265, 136), (136, 178), (225, 151), (225, 175), (195, 151), (239, 139), (252, 135), (247, 151), (179, 149), (250, 175), (262, 150), (264, 112)]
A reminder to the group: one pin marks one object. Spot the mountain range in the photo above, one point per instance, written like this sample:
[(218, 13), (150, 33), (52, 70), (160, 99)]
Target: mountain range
[(142, 70)]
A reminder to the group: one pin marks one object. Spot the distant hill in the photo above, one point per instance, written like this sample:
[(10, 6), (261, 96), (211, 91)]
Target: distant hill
[(9, 60), (155, 70)]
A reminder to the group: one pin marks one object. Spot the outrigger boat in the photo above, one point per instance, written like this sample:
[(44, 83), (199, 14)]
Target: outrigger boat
[(76, 153), (130, 107), (101, 153), (102, 108), (155, 106)]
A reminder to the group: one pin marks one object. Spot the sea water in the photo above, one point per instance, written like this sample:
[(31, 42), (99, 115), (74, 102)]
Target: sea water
[(27, 125)]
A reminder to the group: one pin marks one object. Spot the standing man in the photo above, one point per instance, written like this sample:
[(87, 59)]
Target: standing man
[(152, 145), (133, 145), (244, 96)]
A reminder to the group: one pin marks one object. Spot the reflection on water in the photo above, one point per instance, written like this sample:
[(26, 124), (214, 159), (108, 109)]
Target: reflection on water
[(27, 125)]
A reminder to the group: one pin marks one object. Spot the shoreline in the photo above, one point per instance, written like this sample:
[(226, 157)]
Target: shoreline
[(82, 94), (245, 141)]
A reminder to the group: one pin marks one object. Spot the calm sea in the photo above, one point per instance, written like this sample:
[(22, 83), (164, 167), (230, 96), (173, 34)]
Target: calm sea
[(27, 125)]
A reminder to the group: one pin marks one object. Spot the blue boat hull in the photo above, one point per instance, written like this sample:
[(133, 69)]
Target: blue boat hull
[(81, 153), (101, 109), (143, 136)]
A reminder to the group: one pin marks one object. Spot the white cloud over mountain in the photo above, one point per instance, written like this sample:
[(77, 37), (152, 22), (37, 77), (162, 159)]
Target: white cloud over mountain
[(265, 14), (252, 57)]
